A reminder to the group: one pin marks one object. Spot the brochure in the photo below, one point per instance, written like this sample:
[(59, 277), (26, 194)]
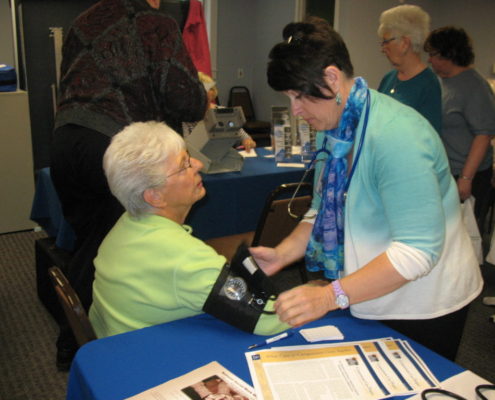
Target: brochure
[(209, 382), (367, 370)]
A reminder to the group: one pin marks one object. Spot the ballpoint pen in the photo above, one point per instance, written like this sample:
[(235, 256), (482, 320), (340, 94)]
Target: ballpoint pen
[(272, 339)]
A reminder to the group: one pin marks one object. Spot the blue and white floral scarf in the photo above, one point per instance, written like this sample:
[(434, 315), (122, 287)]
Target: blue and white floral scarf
[(325, 249)]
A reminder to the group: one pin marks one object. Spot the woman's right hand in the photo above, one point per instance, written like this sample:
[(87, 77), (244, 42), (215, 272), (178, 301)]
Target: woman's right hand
[(267, 258)]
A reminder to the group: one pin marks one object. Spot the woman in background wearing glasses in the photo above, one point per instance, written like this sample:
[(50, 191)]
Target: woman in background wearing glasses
[(386, 220), (468, 114), (403, 30), (149, 268)]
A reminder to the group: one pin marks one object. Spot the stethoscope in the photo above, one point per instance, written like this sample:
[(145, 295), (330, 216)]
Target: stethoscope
[(324, 150), (437, 391)]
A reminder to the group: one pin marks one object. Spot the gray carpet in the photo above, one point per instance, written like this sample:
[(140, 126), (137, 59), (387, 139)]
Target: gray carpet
[(28, 333)]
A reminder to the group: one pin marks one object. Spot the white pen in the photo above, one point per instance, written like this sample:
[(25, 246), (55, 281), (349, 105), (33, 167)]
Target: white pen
[(272, 339)]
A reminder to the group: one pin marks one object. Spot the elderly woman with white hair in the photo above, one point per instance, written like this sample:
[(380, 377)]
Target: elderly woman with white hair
[(403, 30), (149, 268)]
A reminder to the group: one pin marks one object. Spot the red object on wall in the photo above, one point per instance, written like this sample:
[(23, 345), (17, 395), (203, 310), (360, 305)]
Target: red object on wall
[(196, 39)]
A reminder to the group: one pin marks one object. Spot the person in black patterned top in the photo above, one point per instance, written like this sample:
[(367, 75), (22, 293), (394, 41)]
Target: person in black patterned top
[(123, 61)]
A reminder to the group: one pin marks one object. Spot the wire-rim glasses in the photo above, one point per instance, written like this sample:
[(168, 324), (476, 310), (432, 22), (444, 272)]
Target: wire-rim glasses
[(387, 41), (186, 165)]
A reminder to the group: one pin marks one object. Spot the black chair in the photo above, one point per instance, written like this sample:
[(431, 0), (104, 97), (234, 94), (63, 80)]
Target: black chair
[(73, 309), (259, 130), (277, 221), (47, 255)]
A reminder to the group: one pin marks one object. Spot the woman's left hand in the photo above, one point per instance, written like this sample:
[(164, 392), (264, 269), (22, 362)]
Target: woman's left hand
[(305, 303)]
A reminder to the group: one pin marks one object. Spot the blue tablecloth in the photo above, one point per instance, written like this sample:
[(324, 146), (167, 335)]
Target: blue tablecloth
[(234, 200), (124, 365), (47, 211), (232, 205)]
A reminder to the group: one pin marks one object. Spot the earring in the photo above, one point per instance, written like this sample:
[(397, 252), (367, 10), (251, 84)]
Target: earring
[(338, 99)]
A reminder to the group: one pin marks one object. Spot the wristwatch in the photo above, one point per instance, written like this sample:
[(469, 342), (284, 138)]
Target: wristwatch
[(341, 298)]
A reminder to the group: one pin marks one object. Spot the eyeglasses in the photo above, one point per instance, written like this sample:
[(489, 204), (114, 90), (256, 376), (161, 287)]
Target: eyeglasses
[(437, 393), (185, 165), (386, 41)]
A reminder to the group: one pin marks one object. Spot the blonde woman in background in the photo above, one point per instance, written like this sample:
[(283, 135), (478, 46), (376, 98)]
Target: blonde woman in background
[(403, 30)]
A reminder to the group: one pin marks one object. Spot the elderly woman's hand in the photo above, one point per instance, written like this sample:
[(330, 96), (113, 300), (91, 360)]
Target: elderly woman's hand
[(305, 303)]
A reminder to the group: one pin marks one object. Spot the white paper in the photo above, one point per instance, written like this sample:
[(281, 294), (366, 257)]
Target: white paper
[(296, 150), (245, 154), (372, 369), (210, 382), (327, 332), (290, 165)]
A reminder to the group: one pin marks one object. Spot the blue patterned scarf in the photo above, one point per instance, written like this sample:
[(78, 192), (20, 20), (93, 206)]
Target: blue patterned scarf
[(325, 249)]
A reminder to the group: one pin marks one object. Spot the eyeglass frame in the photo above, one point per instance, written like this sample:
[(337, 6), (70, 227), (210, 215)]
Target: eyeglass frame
[(186, 166), (387, 41)]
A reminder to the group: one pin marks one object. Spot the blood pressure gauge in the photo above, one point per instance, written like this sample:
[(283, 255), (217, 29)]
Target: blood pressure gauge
[(235, 288)]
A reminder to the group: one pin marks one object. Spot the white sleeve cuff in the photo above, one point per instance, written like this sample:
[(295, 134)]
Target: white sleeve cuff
[(410, 262), (310, 216)]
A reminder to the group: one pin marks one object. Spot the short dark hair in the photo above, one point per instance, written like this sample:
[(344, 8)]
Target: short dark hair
[(298, 63), (451, 43)]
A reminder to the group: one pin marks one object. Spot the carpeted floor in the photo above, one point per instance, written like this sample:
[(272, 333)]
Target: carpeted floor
[(28, 333)]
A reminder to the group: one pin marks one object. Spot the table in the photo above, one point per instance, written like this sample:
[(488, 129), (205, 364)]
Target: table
[(47, 211), (234, 200), (120, 366), (232, 205)]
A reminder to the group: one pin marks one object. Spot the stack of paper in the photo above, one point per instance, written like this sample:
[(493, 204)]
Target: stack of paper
[(367, 370)]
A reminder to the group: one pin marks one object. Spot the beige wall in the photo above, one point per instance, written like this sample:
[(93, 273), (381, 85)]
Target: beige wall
[(358, 23), (6, 42)]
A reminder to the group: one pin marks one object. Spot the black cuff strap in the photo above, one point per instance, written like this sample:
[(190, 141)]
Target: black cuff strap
[(240, 293)]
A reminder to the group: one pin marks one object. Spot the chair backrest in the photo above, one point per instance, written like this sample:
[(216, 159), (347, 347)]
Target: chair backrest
[(73, 309), (275, 222), (239, 96)]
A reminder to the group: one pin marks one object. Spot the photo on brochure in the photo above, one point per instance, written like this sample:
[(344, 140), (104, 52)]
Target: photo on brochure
[(212, 388)]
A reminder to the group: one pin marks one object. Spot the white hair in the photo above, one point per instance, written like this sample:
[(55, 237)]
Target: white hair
[(136, 160), (406, 20)]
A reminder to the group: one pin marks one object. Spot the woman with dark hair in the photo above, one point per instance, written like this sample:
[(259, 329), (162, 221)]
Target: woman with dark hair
[(468, 113), (385, 223)]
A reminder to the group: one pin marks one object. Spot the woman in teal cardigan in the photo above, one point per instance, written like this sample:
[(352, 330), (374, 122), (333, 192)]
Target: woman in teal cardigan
[(402, 31), (385, 225)]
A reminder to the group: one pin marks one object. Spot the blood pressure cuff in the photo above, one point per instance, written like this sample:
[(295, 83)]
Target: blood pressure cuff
[(241, 292)]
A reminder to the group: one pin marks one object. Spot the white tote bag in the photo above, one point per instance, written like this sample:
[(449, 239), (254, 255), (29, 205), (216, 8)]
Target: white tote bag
[(490, 257), (467, 209)]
